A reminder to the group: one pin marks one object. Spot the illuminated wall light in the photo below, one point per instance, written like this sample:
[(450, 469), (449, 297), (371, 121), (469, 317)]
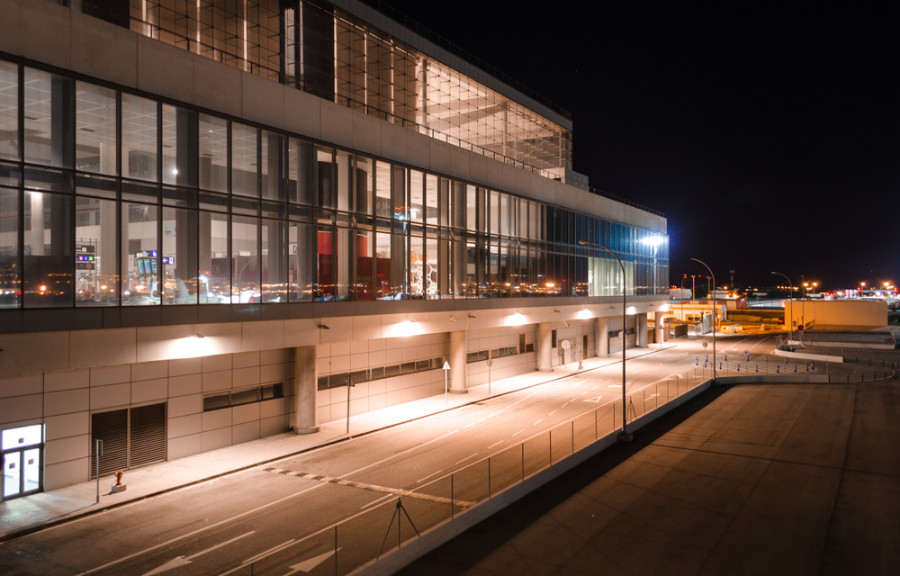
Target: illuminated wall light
[(404, 329), (517, 319), (192, 346)]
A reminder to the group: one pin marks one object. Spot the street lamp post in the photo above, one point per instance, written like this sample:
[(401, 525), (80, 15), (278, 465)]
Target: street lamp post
[(714, 314), (791, 299), (624, 436)]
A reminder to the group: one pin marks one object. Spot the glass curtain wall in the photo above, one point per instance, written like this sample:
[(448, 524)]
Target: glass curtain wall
[(107, 198), (319, 49)]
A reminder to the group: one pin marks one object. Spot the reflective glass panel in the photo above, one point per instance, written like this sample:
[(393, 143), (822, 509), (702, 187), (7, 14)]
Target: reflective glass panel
[(96, 253), (178, 264), (10, 273), (49, 257), (49, 118), (95, 129), (9, 110), (244, 159), (140, 255), (140, 135), (245, 284), (214, 280), (179, 148), (213, 147), (301, 261), (272, 166), (274, 261)]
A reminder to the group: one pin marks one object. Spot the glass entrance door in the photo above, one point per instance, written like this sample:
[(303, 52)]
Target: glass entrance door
[(31, 470), (22, 450), (12, 474)]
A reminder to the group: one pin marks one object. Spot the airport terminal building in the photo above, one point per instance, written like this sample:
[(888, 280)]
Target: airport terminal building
[(221, 220)]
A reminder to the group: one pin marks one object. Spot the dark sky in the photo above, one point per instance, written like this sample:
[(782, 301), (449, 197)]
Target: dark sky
[(768, 135)]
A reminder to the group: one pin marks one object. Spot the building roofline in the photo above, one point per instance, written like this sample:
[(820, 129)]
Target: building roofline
[(407, 30)]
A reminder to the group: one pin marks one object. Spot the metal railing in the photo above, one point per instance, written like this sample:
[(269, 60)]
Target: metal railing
[(351, 543)]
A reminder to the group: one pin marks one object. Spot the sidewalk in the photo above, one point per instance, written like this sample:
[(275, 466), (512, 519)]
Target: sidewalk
[(30, 513)]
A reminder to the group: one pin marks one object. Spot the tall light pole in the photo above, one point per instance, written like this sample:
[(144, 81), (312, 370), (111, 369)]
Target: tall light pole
[(714, 314), (791, 298), (624, 436)]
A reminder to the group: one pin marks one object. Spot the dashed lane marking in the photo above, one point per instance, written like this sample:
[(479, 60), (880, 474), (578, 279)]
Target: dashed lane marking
[(371, 487)]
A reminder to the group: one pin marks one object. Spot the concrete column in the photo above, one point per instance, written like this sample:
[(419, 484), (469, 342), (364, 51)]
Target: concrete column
[(642, 330), (305, 419), (545, 347), (660, 327), (458, 384), (602, 339)]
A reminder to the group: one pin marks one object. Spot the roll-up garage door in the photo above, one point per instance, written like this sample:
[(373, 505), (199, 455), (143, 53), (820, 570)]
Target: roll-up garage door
[(131, 437), (111, 428), (148, 435)]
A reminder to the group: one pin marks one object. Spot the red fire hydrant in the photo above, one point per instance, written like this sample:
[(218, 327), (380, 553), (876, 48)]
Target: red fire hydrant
[(118, 477)]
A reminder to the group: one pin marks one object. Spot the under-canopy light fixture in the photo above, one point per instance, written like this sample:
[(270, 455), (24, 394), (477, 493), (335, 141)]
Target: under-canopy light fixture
[(323, 327), (197, 335), (472, 316)]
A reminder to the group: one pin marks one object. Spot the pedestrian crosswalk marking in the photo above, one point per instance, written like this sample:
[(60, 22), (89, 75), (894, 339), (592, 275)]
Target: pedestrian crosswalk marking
[(371, 487)]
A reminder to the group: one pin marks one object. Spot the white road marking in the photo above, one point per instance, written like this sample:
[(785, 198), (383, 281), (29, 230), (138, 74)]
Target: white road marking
[(270, 551), (311, 564), (194, 533), (185, 560), (427, 477), (469, 457), (377, 501)]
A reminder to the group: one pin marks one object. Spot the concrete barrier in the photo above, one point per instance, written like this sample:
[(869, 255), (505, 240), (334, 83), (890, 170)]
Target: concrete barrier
[(808, 356)]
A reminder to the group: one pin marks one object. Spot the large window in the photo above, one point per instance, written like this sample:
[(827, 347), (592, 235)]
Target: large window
[(9, 110), (48, 118), (119, 199), (10, 272), (96, 253), (96, 146), (140, 136)]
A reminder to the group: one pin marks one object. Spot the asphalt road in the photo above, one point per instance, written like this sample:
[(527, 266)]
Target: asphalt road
[(290, 517)]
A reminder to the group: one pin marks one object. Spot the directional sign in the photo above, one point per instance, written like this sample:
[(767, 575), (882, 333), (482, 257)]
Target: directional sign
[(180, 561), (309, 565), (446, 365)]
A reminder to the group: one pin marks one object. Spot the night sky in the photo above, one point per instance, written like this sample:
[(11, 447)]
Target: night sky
[(768, 135)]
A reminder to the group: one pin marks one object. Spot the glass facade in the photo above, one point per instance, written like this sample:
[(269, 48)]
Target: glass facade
[(318, 48), (112, 199)]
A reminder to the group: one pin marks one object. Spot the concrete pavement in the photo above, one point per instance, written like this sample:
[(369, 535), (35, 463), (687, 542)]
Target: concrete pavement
[(752, 479), (30, 513)]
